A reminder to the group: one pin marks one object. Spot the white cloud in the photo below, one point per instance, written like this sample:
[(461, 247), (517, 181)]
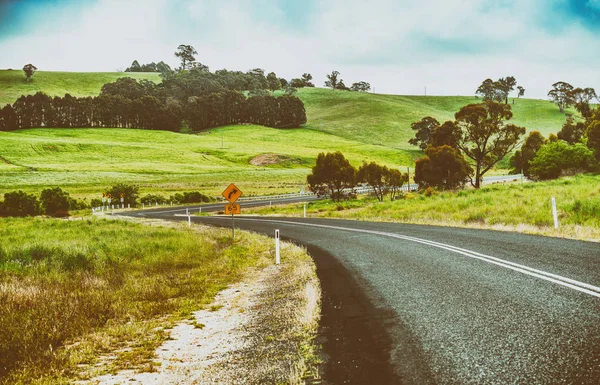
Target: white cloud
[(398, 48)]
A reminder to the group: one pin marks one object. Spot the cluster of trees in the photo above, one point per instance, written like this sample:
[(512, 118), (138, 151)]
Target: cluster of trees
[(565, 95), (186, 197), (335, 83), (52, 201), (575, 149), (333, 175), (161, 67), (129, 104), (499, 90), (480, 132)]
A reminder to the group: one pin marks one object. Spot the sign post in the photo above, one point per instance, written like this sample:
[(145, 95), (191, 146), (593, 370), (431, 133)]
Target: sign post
[(232, 193), (554, 213), (122, 200)]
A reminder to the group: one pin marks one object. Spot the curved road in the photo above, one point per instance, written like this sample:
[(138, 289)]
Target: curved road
[(423, 304)]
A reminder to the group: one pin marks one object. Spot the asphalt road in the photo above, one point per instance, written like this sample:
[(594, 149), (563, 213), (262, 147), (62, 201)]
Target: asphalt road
[(423, 304)]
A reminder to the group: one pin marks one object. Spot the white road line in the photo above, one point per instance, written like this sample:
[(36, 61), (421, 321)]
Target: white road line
[(554, 278)]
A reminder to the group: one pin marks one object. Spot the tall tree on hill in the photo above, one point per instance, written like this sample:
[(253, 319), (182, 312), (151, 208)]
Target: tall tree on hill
[(332, 80), (505, 85), (29, 70), (273, 81), (488, 90), (562, 95), (424, 128), (521, 91), (186, 54), (306, 78), (483, 135), (581, 99)]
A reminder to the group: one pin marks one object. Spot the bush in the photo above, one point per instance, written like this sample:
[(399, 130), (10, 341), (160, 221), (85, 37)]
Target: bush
[(558, 158), (152, 199), (55, 202), (194, 197), (19, 204), (129, 193)]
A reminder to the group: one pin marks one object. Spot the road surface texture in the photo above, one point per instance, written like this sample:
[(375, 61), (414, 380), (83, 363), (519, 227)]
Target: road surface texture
[(413, 304)]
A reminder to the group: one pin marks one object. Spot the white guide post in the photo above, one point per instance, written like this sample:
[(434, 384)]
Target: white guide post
[(277, 253), (305, 210), (189, 220), (554, 213)]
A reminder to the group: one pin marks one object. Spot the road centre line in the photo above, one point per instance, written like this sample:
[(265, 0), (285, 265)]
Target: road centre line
[(554, 278)]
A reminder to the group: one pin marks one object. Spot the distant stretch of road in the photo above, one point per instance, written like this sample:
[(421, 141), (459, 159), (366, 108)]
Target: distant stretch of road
[(423, 304)]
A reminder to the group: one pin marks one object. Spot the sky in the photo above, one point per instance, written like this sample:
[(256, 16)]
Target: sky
[(442, 47)]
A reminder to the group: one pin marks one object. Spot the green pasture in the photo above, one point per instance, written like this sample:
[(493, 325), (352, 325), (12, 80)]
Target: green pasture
[(385, 119), (13, 84), (84, 160)]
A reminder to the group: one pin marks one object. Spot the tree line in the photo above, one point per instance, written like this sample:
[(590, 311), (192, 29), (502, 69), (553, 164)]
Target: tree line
[(334, 176), (121, 108)]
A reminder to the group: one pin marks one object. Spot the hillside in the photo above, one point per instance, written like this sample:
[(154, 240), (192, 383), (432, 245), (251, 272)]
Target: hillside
[(85, 160), (385, 119), (13, 85)]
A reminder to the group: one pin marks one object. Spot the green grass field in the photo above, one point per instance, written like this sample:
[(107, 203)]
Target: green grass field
[(369, 127), (13, 84), (83, 161)]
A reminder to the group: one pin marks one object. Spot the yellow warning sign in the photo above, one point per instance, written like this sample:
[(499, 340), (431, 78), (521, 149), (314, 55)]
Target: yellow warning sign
[(232, 193), (233, 209)]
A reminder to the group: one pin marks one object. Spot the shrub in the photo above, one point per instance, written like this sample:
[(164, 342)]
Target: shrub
[(558, 158), (194, 197), (19, 204), (152, 199), (129, 193), (55, 202)]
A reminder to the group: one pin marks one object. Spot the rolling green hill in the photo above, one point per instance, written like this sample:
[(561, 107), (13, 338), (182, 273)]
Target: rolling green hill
[(363, 126), (385, 119), (13, 84), (85, 160)]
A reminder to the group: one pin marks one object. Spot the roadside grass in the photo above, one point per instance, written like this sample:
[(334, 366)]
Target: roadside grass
[(73, 290), (514, 207), (13, 84), (83, 161)]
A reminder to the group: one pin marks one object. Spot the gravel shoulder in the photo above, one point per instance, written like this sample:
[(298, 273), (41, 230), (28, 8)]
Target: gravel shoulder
[(262, 330)]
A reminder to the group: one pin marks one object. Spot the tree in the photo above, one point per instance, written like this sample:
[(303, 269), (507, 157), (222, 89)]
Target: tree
[(424, 128), (559, 158), (520, 161), (186, 54), (394, 179), (135, 67), (572, 131), (55, 202), (19, 204), (483, 136), (443, 167), (562, 95), (29, 70), (129, 193), (332, 80), (342, 86), (273, 82), (361, 86), (306, 78), (581, 100), (487, 90), (374, 175), (521, 91), (593, 137), (283, 82), (505, 85), (444, 135), (331, 175)]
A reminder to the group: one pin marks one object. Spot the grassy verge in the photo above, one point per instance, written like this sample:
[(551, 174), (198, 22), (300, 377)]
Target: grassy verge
[(72, 290), (514, 207)]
